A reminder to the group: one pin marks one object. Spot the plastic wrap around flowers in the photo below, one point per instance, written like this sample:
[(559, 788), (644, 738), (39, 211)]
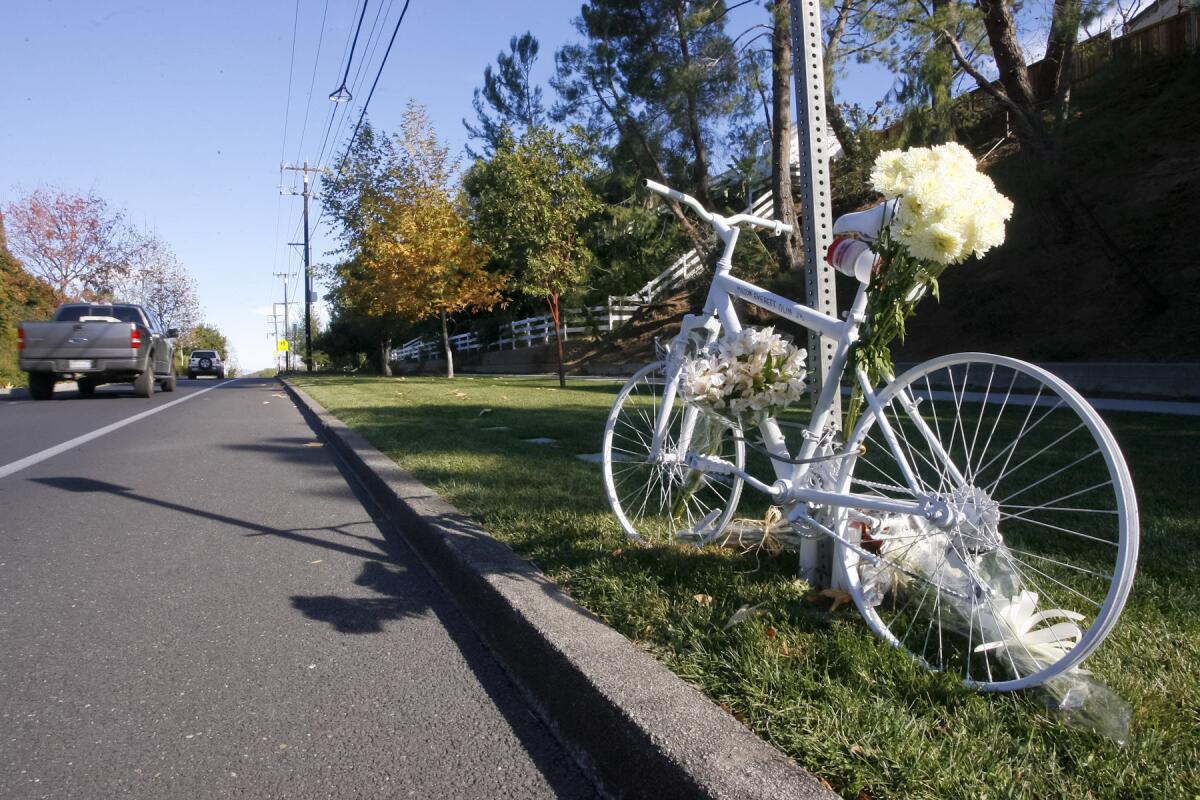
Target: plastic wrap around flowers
[(1010, 623), (752, 374)]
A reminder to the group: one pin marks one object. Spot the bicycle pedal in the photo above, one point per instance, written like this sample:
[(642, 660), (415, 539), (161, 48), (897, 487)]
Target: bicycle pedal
[(702, 531), (805, 531)]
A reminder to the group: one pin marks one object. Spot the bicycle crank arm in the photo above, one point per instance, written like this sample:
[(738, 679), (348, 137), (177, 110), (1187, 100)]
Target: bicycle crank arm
[(719, 466)]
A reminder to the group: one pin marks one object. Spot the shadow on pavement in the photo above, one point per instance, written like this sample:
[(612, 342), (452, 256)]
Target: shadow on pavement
[(388, 571), (365, 614), (84, 485)]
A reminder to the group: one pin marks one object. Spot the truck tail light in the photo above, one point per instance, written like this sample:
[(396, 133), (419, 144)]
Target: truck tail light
[(20, 338), (135, 336)]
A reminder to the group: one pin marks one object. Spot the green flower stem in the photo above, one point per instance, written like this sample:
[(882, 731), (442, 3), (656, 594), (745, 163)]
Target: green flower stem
[(887, 311)]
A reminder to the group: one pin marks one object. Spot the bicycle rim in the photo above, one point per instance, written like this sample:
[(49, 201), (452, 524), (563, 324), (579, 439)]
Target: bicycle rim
[(1034, 569), (658, 502)]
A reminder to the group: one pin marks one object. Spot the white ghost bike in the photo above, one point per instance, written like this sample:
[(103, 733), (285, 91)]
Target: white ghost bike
[(982, 515)]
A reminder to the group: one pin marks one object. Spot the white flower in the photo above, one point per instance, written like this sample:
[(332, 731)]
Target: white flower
[(948, 210), (725, 375)]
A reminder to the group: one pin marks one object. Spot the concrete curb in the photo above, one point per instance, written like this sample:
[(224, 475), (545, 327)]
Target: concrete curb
[(639, 730)]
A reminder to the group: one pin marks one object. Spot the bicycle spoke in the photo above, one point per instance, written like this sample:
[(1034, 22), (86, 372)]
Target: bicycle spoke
[(1027, 549)]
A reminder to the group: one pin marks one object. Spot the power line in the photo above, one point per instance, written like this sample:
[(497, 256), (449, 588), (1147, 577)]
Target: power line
[(353, 45), (286, 118), (313, 81), (360, 73), (345, 50), (291, 73), (338, 125), (332, 112), (375, 83)]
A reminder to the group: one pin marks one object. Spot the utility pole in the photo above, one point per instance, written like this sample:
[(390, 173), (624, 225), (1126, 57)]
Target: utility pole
[(287, 354), (275, 331), (308, 284)]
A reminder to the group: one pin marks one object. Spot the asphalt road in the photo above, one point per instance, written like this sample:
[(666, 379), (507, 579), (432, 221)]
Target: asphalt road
[(197, 604)]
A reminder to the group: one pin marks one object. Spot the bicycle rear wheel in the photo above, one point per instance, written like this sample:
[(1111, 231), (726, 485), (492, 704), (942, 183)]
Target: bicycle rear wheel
[(658, 500), (1027, 567)]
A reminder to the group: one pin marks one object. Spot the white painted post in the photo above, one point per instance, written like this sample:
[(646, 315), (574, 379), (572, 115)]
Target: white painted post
[(816, 556)]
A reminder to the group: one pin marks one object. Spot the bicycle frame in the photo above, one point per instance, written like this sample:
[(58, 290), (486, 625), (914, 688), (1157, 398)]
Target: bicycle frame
[(791, 488)]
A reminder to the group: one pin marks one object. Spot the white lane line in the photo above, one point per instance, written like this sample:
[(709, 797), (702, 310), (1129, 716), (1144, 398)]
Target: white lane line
[(51, 452)]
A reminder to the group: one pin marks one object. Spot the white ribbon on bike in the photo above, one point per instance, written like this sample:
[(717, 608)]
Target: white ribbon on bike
[(1018, 627)]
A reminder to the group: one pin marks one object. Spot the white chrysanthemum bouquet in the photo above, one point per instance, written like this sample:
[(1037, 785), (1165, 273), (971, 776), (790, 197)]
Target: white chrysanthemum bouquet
[(939, 211), (947, 209), (751, 374)]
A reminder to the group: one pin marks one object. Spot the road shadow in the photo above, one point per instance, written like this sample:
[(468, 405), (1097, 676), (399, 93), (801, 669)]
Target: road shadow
[(90, 485), (366, 614), (403, 588)]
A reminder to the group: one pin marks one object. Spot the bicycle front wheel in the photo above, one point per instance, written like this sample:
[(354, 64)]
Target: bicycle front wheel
[(1025, 554), (657, 499)]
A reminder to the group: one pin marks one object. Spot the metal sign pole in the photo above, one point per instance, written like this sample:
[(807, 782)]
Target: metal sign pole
[(816, 557)]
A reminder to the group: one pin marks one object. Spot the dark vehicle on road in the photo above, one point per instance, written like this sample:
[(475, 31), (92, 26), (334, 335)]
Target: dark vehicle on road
[(95, 343), (206, 362)]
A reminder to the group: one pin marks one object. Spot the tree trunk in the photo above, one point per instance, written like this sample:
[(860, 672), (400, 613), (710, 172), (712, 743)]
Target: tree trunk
[(1060, 45), (1018, 96), (787, 247), (385, 358), (1054, 82), (629, 126), (1010, 59), (552, 301), (700, 165), (941, 74), (446, 347), (829, 57)]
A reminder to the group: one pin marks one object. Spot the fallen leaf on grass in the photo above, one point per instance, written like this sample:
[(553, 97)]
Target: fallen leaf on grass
[(742, 614), (503, 397), (838, 596), (703, 599), (617, 551), (772, 633)]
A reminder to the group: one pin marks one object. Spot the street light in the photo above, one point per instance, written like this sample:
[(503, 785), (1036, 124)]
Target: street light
[(341, 94)]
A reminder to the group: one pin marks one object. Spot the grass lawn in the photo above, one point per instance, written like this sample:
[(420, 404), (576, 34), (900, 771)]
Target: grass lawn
[(813, 681)]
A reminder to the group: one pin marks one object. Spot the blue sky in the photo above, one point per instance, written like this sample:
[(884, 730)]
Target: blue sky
[(174, 111)]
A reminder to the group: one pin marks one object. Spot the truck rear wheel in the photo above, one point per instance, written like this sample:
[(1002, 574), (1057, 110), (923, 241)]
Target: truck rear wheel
[(87, 388), (143, 384), (41, 385)]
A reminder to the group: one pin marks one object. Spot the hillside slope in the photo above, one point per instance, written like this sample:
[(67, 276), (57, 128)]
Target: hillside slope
[(1132, 148), (1044, 296)]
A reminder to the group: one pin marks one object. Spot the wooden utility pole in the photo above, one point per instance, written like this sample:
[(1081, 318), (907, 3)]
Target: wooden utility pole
[(287, 354), (308, 281)]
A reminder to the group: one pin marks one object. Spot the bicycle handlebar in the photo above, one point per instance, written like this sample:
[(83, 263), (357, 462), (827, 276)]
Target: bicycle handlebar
[(775, 226)]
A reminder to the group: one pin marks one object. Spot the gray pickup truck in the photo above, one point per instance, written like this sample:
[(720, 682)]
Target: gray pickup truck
[(94, 343)]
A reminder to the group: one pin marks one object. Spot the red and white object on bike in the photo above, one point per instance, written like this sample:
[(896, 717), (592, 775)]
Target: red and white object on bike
[(852, 257)]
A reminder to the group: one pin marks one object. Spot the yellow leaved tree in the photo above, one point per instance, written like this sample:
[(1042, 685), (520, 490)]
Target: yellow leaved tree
[(413, 255)]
